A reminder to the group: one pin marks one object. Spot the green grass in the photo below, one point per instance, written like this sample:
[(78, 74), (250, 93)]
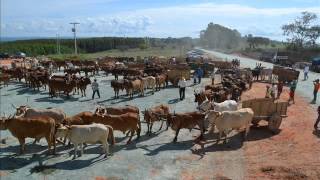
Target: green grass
[(166, 52)]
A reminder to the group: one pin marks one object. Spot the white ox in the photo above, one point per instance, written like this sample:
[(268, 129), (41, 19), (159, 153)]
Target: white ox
[(149, 82), (229, 120), (93, 133), (227, 105), (57, 114)]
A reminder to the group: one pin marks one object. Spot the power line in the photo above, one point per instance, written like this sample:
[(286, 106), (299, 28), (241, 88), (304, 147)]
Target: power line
[(75, 37)]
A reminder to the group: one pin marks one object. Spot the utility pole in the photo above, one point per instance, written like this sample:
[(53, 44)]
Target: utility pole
[(57, 44), (75, 37)]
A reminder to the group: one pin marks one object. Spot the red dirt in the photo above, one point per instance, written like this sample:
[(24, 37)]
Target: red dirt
[(291, 154)]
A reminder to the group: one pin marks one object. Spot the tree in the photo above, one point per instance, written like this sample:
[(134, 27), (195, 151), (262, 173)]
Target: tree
[(302, 32), (256, 41), (220, 37)]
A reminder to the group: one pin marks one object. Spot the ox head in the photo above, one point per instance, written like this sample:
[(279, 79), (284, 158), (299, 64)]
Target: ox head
[(100, 111), (21, 110)]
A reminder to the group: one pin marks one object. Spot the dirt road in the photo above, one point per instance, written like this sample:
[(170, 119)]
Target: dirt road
[(291, 154)]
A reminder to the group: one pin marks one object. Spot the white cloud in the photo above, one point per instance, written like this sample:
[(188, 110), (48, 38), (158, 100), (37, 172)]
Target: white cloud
[(183, 20)]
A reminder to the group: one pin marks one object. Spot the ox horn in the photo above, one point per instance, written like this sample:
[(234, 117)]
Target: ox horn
[(14, 106)]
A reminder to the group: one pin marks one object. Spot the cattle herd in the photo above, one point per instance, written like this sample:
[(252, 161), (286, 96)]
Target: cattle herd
[(217, 104)]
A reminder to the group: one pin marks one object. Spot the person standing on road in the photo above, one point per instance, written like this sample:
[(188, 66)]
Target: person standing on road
[(199, 73), (95, 88), (318, 120), (293, 87), (268, 92), (305, 72), (316, 85), (273, 90), (280, 88), (182, 88)]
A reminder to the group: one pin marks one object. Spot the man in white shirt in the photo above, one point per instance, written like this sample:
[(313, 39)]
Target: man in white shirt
[(305, 72), (95, 88), (182, 88), (273, 91)]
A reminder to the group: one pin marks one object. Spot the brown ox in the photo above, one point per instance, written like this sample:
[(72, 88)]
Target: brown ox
[(155, 114), (186, 120), (116, 110), (124, 122), (57, 85), (132, 86), (202, 96), (5, 78), (36, 127), (161, 80), (117, 85), (82, 84), (79, 119)]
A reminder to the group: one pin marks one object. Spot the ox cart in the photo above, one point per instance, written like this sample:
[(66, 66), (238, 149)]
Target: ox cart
[(285, 75), (175, 72), (267, 109)]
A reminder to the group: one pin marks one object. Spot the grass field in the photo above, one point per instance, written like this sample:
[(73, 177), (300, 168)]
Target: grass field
[(166, 52)]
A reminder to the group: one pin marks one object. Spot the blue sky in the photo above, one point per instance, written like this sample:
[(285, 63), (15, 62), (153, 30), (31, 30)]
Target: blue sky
[(155, 18)]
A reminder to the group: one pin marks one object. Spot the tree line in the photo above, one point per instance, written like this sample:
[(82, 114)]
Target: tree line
[(89, 45)]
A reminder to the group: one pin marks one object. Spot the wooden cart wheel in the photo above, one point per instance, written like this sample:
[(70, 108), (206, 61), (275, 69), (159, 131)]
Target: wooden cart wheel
[(274, 123)]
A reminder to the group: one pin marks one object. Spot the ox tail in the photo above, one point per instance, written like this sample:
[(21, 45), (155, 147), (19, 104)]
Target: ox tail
[(111, 136), (139, 125), (52, 135)]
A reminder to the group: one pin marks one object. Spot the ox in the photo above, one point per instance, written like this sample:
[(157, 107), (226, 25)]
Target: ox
[(117, 85), (161, 80), (116, 110), (227, 105), (132, 86), (57, 85), (228, 120), (55, 113), (149, 82), (82, 84), (124, 122), (93, 133), (5, 78), (202, 96), (155, 114), (186, 120), (36, 127)]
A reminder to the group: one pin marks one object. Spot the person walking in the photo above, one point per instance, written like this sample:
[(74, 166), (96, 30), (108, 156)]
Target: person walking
[(273, 90), (199, 73), (280, 88), (182, 88), (95, 88), (293, 86), (305, 72), (316, 85), (318, 120), (268, 92)]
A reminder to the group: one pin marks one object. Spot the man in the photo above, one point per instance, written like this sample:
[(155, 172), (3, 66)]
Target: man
[(95, 88), (182, 88), (316, 85), (280, 88), (293, 86), (273, 90), (305, 72), (199, 73), (318, 120)]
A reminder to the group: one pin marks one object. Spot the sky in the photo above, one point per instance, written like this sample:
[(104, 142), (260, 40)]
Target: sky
[(152, 18)]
